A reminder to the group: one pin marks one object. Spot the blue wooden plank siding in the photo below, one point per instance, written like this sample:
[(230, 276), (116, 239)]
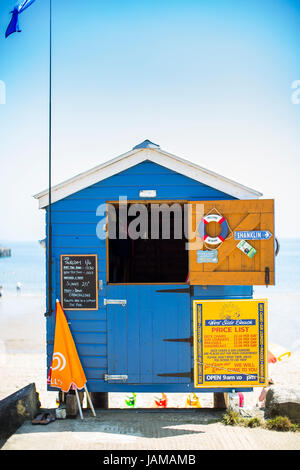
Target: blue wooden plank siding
[(74, 222), (137, 334)]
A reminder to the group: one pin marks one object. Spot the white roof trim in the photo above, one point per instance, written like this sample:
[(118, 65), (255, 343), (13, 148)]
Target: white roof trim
[(134, 157)]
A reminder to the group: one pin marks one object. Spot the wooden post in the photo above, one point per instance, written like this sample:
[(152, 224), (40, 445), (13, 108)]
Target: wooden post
[(221, 400), (71, 405), (99, 399)]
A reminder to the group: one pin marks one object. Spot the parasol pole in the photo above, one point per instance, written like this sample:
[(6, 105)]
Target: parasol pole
[(78, 401), (89, 400)]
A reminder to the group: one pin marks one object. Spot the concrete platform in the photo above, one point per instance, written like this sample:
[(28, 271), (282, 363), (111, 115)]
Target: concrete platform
[(148, 430)]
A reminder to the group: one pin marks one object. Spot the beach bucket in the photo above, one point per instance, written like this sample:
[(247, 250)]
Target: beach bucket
[(192, 401), (131, 400), (161, 402)]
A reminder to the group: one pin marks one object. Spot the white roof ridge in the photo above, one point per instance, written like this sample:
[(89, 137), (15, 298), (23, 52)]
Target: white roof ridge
[(136, 156), (85, 173), (210, 172)]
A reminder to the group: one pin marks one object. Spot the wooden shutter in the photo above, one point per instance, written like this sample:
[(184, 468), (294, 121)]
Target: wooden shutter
[(233, 266)]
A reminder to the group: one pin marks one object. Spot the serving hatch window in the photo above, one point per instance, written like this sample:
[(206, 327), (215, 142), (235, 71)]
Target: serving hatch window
[(147, 242)]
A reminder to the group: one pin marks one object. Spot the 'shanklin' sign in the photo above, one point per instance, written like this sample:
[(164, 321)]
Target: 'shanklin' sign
[(252, 235), (230, 343)]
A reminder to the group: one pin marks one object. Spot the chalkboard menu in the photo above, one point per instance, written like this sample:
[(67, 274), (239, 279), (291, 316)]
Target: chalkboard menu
[(79, 289)]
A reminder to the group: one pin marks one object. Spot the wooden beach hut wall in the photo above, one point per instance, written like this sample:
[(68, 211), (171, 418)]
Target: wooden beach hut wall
[(136, 334)]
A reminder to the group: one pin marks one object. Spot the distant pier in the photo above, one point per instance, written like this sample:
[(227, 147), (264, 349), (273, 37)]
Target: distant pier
[(5, 252)]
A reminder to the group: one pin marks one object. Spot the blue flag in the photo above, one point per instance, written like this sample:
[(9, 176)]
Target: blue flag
[(13, 26)]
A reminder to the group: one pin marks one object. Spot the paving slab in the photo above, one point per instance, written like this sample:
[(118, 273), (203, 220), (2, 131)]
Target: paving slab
[(144, 430)]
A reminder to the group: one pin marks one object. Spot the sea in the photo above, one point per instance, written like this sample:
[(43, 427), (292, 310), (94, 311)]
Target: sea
[(27, 267)]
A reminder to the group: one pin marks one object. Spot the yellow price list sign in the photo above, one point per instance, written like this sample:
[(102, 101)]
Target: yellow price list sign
[(230, 343)]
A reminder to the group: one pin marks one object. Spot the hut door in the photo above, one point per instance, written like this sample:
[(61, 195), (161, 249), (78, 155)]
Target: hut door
[(149, 335), (251, 222)]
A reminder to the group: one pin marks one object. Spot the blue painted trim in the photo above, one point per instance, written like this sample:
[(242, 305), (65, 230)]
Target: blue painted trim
[(199, 369), (261, 336), (154, 388)]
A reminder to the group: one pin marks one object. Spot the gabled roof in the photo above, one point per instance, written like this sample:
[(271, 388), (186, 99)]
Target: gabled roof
[(146, 144), (147, 150)]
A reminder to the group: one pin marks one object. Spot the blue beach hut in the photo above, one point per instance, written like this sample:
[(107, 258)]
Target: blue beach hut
[(136, 334)]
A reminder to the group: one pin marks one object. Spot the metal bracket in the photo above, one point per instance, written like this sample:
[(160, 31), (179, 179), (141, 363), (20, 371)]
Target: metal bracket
[(179, 374), (186, 290), (107, 377), (122, 302), (181, 340)]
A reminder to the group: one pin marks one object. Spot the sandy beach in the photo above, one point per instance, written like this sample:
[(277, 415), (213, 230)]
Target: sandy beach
[(23, 358)]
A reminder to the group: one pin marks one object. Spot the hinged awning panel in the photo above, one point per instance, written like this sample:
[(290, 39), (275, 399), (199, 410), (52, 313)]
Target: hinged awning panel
[(250, 221)]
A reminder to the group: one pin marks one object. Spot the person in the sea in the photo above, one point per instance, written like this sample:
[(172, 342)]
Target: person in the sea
[(263, 394)]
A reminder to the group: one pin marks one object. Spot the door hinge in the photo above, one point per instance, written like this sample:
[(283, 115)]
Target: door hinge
[(186, 290), (181, 340), (122, 302), (179, 374)]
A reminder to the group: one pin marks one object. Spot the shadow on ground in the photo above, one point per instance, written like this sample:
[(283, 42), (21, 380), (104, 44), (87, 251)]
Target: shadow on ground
[(137, 423)]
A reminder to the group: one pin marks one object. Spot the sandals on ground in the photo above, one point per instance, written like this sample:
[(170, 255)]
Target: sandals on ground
[(43, 418)]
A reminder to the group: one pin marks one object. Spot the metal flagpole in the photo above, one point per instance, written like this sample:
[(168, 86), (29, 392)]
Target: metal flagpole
[(49, 309)]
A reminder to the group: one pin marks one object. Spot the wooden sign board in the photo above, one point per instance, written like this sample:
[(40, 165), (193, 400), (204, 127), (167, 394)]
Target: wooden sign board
[(79, 286), (234, 267), (230, 343)]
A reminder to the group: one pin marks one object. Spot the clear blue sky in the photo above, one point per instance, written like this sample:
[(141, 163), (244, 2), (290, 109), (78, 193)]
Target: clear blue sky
[(209, 81)]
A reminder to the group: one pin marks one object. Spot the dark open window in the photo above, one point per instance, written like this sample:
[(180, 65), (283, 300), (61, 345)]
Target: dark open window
[(158, 255)]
